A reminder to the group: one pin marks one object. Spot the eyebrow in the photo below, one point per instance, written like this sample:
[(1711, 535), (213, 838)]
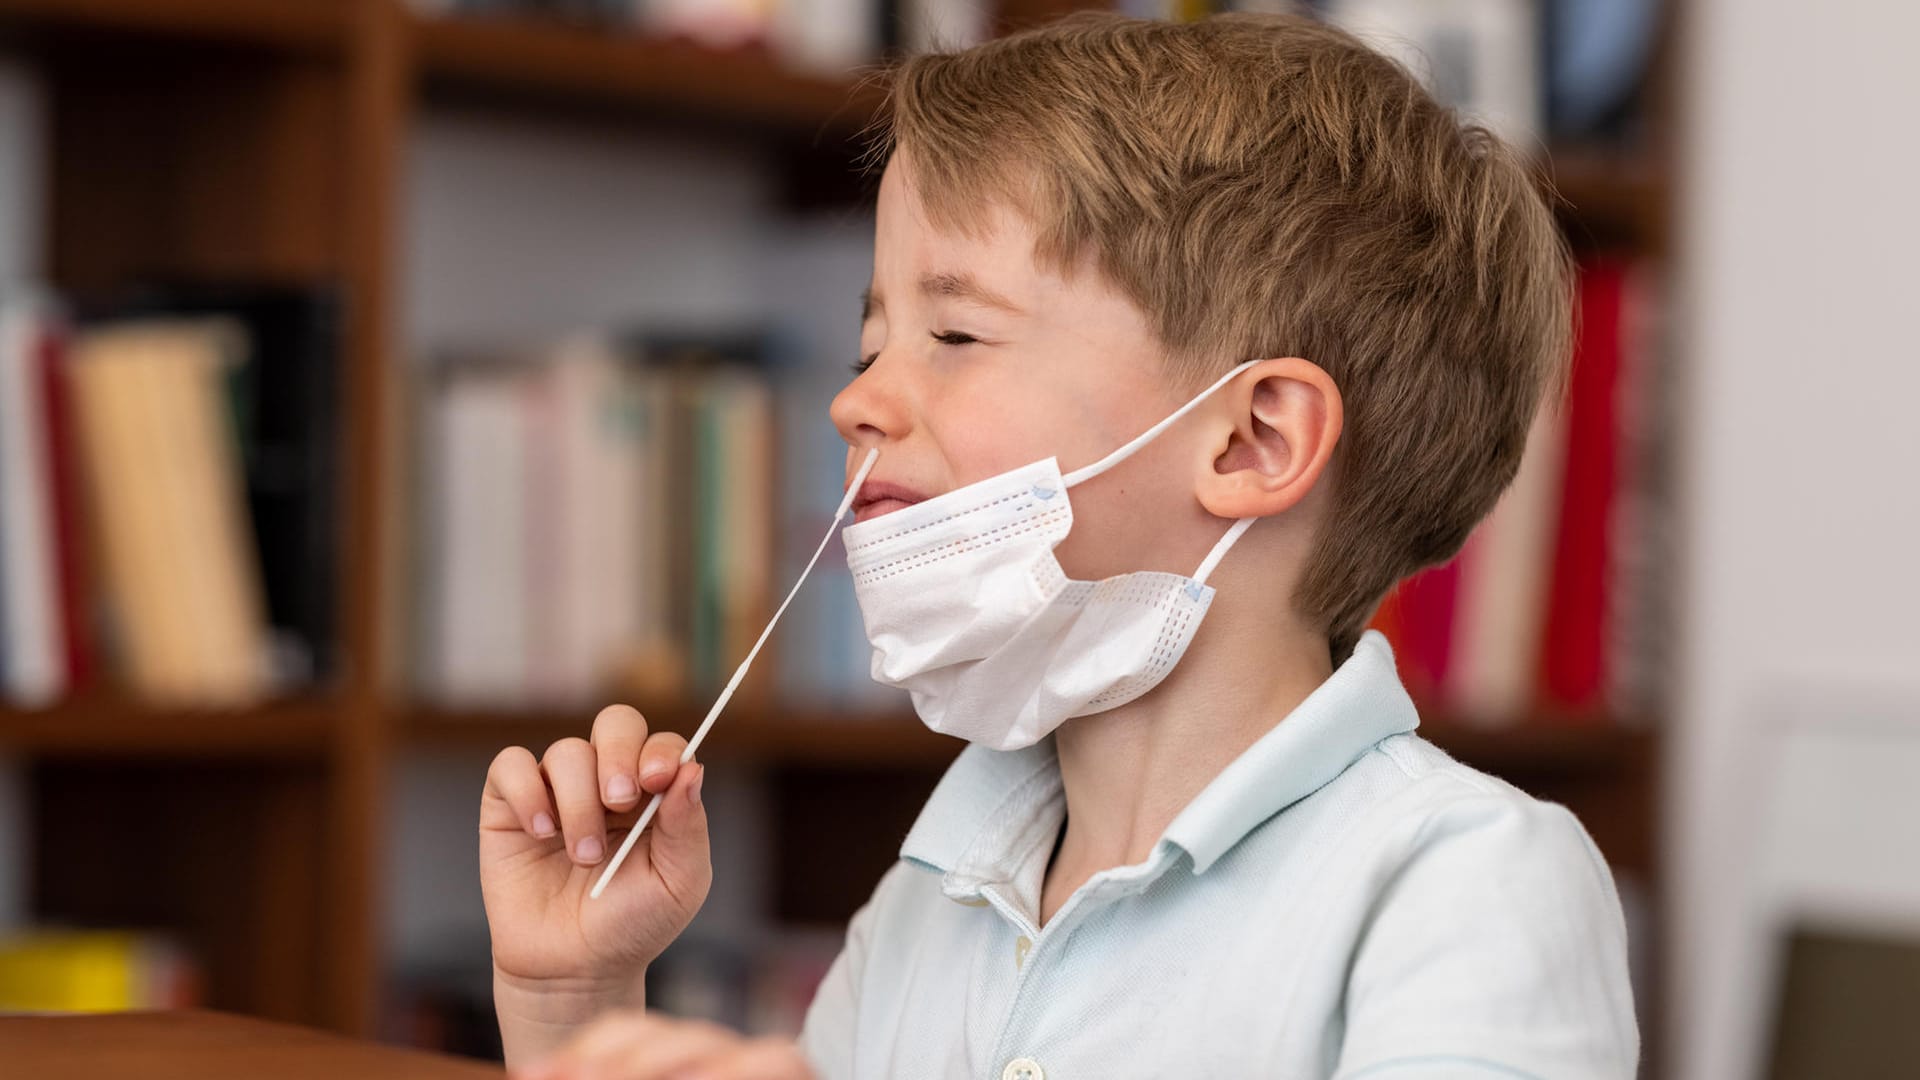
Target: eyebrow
[(955, 286)]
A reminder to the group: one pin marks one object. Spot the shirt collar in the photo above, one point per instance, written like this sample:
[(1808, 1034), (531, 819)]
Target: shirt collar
[(979, 823)]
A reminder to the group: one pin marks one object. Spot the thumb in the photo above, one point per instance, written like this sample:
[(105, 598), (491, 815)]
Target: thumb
[(679, 850)]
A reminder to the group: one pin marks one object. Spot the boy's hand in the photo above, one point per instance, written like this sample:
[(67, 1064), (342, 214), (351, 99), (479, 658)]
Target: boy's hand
[(640, 1046), (547, 829)]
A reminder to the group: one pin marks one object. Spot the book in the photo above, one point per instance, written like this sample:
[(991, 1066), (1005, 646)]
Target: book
[(31, 614), (479, 651), (944, 25), (1575, 657), (1479, 56), (1505, 570), (166, 500), (1426, 616), (71, 559), (54, 970)]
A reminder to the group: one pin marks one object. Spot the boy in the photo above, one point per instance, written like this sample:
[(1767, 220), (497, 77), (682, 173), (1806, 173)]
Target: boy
[(1239, 859)]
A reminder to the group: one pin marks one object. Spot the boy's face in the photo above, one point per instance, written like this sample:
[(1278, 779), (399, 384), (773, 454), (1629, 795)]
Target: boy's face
[(983, 362)]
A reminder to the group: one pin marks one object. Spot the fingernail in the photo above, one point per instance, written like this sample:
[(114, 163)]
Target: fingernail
[(589, 850), (693, 789), (653, 770), (542, 825), (620, 788)]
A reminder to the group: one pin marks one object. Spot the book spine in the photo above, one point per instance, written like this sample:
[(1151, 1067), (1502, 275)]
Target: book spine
[(69, 529), (35, 671), (1574, 662)]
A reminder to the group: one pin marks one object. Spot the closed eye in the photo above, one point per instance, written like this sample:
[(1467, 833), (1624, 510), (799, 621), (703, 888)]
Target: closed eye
[(954, 337), (861, 365)]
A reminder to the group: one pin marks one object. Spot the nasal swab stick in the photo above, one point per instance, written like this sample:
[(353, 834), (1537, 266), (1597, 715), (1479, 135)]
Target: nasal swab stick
[(846, 503)]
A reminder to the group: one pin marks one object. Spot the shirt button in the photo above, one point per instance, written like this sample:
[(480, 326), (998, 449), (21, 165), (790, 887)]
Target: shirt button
[(1020, 950), (1023, 1069)]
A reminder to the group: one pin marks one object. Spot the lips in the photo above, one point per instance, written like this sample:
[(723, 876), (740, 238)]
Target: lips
[(879, 497)]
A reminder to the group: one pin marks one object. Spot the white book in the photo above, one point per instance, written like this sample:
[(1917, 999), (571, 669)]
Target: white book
[(827, 36), (30, 597), (1479, 56), (479, 480), (945, 25), (597, 579)]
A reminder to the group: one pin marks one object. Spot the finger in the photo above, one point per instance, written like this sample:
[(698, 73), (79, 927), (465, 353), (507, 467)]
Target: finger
[(514, 779), (679, 847), (760, 1059), (618, 734), (571, 773), (660, 760)]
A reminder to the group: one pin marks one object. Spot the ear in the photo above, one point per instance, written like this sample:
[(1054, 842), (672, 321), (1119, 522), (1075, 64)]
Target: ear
[(1278, 423)]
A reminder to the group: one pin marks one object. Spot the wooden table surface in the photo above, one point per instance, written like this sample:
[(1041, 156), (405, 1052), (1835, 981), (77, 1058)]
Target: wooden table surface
[(206, 1046)]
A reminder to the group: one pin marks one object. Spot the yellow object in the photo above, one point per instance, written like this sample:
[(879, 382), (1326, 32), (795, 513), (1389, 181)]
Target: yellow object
[(86, 971)]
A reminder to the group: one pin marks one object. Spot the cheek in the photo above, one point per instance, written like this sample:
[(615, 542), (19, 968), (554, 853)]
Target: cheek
[(986, 432), (1140, 516)]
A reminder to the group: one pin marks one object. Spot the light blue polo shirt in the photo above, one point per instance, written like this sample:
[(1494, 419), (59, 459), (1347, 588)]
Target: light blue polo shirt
[(1343, 900)]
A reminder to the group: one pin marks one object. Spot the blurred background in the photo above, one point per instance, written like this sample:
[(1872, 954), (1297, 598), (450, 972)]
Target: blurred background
[(382, 384)]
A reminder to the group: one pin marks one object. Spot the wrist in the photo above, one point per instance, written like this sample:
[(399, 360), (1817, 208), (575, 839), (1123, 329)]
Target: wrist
[(538, 1016)]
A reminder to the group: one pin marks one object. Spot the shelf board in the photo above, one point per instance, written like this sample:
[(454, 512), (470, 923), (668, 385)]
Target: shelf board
[(1608, 196), (812, 736), (540, 60), (308, 25), (113, 726), (1546, 748)]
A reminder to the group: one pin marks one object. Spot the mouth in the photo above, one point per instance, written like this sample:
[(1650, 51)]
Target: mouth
[(878, 498)]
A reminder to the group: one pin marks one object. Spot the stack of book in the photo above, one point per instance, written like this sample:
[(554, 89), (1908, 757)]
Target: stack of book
[(596, 517), (613, 516), (166, 469), (1552, 608)]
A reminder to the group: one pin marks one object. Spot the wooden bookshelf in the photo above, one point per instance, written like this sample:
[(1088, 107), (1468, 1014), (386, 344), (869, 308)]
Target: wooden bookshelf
[(265, 138), (1534, 746), (309, 25), (520, 58), (1607, 199), (113, 726)]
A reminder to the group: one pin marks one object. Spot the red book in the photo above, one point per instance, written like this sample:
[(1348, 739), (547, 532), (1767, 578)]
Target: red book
[(1426, 605), (1574, 659), (69, 538), (1387, 620)]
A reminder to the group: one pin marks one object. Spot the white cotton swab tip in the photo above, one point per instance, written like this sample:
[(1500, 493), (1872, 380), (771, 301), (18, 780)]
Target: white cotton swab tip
[(700, 734)]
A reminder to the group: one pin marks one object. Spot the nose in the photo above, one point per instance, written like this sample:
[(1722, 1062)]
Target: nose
[(871, 410)]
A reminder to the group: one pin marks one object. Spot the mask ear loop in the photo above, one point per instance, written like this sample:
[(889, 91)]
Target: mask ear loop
[(1081, 475), (1220, 549), (846, 503)]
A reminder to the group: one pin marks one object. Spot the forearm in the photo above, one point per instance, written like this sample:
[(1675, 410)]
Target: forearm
[(538, 1019)]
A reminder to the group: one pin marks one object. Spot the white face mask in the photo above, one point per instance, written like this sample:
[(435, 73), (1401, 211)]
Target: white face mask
[(968, 610)]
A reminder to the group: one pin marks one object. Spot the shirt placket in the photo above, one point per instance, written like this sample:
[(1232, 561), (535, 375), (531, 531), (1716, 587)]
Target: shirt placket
[(1018, 1052)]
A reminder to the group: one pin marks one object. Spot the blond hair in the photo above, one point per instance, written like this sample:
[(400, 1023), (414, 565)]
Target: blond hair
[(1267, 185)]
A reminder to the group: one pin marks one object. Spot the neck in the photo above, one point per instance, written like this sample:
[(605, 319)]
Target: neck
[(1128, 772)]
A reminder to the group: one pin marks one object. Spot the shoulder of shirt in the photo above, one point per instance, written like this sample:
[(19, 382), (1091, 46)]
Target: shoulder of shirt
[(1430, 795)]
